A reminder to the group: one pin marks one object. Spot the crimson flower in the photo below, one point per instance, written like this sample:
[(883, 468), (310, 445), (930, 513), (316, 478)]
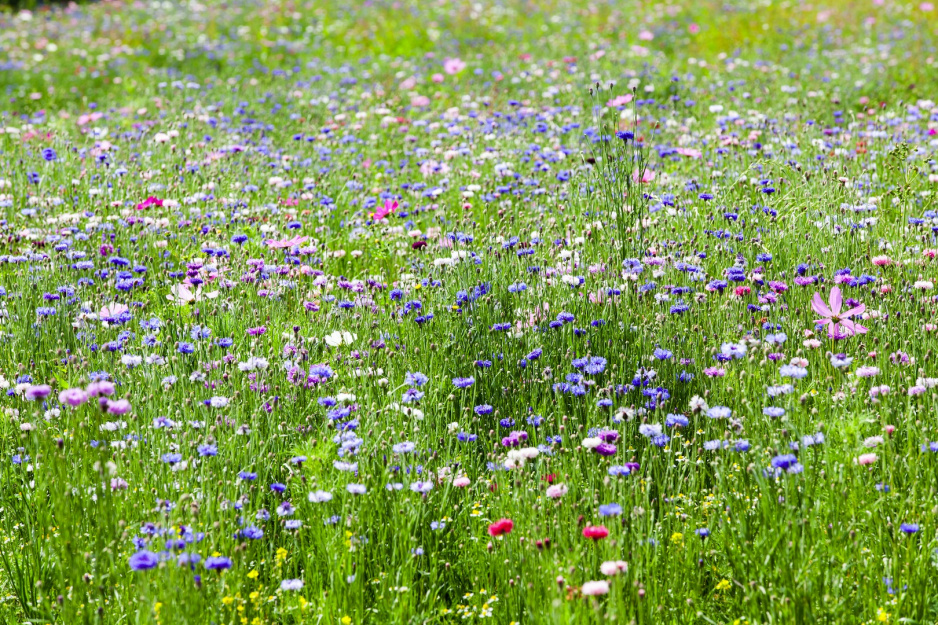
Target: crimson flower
[(501, 526), (596, 532)]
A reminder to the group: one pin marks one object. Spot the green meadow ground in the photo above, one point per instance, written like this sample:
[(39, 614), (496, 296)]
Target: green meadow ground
[(439, 312)]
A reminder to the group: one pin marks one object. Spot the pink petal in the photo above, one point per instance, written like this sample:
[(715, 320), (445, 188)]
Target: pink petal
[(853, 328), (818, 305), (836, 300), (856, 310)]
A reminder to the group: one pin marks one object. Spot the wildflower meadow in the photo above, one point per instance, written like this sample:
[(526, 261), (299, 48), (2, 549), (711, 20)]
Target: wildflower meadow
[(432, 311)]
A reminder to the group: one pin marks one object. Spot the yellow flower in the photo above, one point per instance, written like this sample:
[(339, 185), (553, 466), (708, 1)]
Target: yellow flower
[(677, 537), (346, 620), (882, 615), (724, 585), (253, 574), (227, 600)]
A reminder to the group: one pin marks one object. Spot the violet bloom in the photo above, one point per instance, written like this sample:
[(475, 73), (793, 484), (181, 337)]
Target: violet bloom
[(38, 391), (609, 436), (605, 449), (73, 397), (217, 563), (143, 560), (101, 387), (121, 406)]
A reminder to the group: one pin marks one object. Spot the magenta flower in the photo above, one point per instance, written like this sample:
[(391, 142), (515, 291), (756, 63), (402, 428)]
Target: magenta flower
[(383, 211), (150, 201), (839, 324)]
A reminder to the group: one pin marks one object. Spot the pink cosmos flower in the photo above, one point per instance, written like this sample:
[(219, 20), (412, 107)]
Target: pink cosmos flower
[(620, 100), (383, 211), (691, 152), (285, 243), (453, 66), (838, 323), (150, 201), (112, 311), (867, 459), (648, 176)]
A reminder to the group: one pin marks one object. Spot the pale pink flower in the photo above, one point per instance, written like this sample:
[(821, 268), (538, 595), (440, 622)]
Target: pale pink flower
[(613, 567), (461, 482), (594, 589), (285, 243), (620, 100), (111, 311), (556, 491), (838, 323), (866, 459), (453, 66), (648, 176)]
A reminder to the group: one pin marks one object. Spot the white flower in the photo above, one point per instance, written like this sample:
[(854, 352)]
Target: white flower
[(591, 443), (180, 295), (131, 361), (320, 496), (218, 402), (253, 363), (338, 338), (698, 404)]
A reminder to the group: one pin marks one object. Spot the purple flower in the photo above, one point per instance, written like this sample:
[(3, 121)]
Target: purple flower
[(143, 560), (73, 397), (605, 449), (38, 391), (218, 563)]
